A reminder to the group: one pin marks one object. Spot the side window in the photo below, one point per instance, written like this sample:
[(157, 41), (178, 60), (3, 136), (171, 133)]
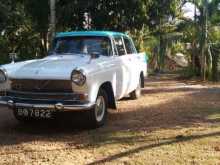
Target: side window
[(119, 46), (129, 46)]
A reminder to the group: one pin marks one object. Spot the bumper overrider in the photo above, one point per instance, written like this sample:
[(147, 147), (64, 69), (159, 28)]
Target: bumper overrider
[(51, 101)]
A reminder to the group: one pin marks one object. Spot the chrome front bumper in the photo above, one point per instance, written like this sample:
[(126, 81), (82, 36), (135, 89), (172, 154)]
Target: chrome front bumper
[(50, 104)]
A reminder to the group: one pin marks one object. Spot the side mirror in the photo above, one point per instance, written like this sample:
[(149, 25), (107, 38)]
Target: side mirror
[(13, 57), (95, 55)]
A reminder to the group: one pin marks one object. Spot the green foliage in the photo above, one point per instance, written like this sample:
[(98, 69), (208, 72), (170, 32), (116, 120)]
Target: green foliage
[(178, 47), (157, 27), (187, 73), (119, 15), (39, 12)]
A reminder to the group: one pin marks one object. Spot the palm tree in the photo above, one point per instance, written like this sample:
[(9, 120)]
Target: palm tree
[(52, 19), (203, 23)]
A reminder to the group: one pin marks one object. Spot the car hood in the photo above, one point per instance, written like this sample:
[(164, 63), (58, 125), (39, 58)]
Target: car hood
[(51, 67)]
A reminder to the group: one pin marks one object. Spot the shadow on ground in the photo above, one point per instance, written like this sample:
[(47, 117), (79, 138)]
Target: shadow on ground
[(194, 107), (155, 145)]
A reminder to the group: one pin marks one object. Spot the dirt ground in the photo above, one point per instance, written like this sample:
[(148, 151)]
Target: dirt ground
[(175, 122)]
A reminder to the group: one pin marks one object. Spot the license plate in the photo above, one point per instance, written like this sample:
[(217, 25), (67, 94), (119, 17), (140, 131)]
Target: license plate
[(35, 113)]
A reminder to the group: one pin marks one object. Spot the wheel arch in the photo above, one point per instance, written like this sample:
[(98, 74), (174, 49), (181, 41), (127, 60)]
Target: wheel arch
[(107, 87)]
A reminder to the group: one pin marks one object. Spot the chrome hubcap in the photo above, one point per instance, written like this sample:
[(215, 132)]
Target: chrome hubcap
[(100, 108)]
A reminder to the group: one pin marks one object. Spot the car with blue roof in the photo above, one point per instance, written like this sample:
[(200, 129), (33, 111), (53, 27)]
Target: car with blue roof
[(84, 71)]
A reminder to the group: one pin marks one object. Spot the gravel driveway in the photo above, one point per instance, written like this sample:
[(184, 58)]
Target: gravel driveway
[(168, 108)]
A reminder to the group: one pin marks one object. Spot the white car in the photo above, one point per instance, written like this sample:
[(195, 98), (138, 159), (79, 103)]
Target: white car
[(85, 71)]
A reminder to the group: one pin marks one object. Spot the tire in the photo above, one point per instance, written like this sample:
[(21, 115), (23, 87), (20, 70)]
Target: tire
[(98, 115), (134, 95)]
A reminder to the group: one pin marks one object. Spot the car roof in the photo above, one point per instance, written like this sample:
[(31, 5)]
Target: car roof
[(90, 33)]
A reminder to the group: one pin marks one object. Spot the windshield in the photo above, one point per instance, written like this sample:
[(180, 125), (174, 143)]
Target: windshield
[(82, 45)]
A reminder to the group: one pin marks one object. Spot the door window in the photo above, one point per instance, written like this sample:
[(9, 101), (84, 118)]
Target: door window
[(129, 46), (119, 46)]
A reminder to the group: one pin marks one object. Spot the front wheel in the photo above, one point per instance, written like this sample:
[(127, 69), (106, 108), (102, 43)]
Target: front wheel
[(98, 114), (137, 92)]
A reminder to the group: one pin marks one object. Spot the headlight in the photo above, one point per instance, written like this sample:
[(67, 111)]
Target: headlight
[(78, 77), (3, 76)]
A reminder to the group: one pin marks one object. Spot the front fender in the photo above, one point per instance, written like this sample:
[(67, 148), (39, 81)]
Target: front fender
[(94, 81)]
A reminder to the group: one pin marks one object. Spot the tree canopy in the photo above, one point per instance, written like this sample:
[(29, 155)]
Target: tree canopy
[(157, 26)]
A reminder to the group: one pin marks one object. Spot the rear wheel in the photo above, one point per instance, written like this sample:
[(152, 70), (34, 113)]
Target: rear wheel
[(137, 92), (98, 114)]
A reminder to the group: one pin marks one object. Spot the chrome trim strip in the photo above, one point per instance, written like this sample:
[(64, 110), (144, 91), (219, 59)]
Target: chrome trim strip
[(75, 107), (30, 99), (9, 101), (52, 106), (3, 103), (42, 93)]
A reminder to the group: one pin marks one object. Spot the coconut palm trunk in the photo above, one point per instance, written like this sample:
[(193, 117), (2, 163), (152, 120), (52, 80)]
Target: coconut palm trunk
[(52, 19), (204, 43)]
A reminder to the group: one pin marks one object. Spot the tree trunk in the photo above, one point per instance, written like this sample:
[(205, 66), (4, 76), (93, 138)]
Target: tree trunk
[(52, 19), (44, 43), (204, 39), (215, 61)]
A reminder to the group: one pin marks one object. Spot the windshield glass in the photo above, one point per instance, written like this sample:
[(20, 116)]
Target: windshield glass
[(82, 45)]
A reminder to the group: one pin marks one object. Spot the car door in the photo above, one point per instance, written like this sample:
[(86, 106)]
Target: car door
[(123, 75), (133, 63)]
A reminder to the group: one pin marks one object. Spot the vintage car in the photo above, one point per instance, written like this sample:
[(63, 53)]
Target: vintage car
[(84, 71)]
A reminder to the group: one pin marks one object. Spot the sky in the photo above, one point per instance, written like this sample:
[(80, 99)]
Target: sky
[(188, 10)]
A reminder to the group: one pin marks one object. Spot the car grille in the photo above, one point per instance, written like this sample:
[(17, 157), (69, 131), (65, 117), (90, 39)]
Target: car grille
[(41, 85), (42, 96)]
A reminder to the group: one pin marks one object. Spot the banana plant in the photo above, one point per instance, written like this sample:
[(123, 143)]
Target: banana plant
[(203, 24)]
